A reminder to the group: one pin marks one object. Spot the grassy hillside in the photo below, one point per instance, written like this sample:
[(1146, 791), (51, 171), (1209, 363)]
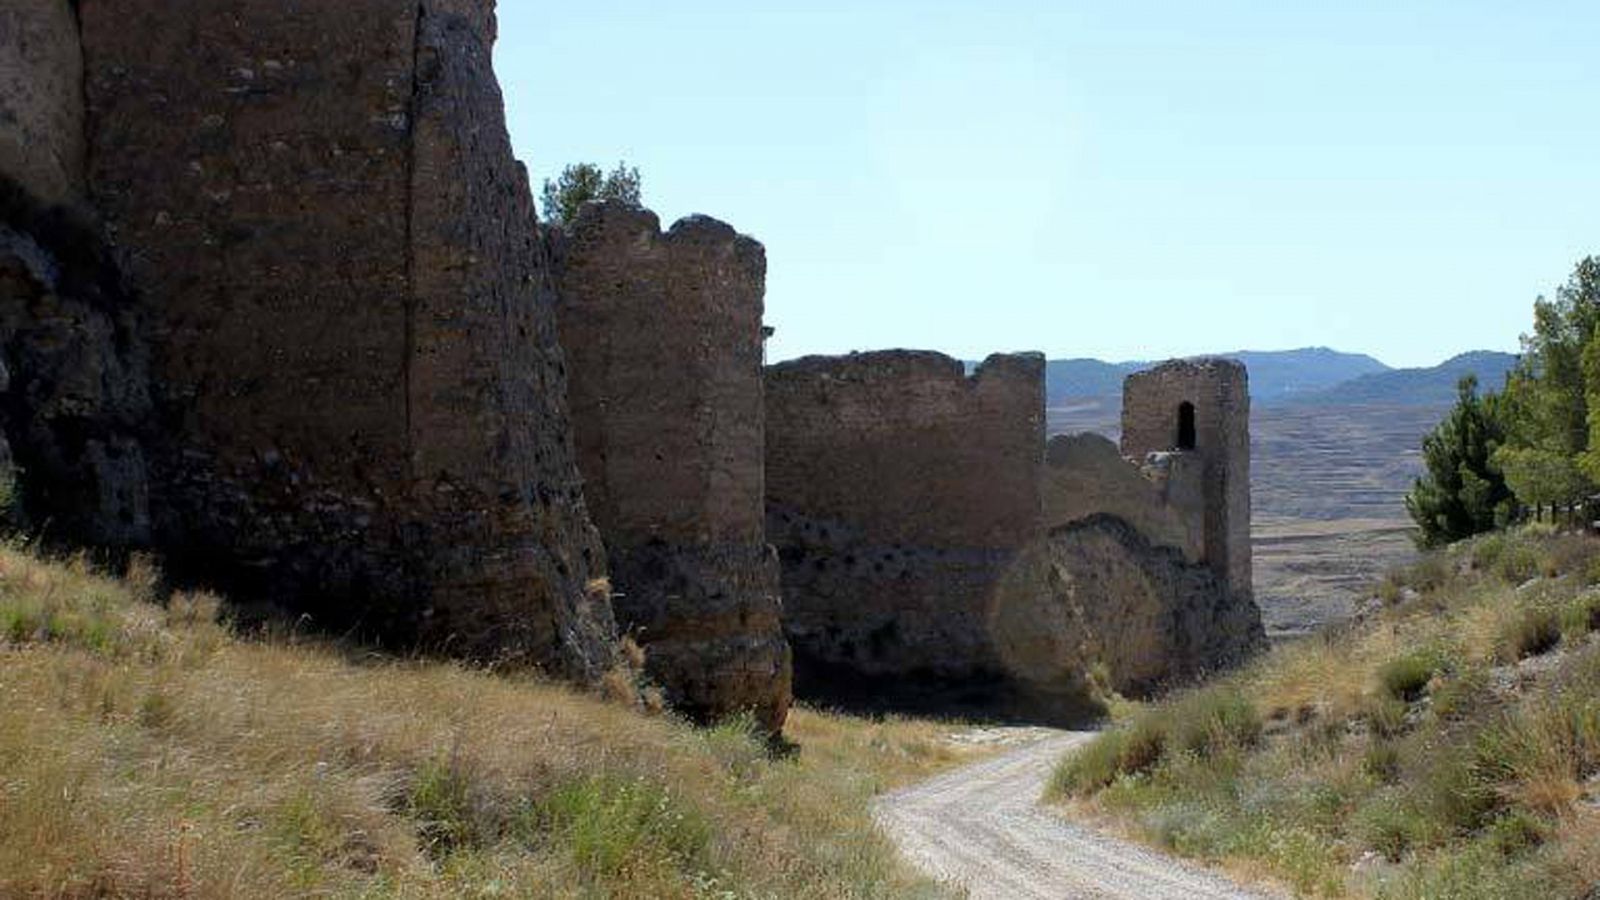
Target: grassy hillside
[(145, 751), (1446, 747)]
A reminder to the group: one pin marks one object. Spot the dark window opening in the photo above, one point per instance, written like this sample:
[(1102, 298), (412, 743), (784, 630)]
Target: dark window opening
[(1186, 426)]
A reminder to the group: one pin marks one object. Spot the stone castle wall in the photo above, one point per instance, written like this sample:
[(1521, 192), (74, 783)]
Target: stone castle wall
[(898, 489), (927, 529), (356, 371), (41, 100), (74, 397), (1218, 392), (663, 335), (273, 302)]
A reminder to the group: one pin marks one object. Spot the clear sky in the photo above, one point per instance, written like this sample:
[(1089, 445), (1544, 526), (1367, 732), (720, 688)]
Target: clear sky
[(1109, 179)]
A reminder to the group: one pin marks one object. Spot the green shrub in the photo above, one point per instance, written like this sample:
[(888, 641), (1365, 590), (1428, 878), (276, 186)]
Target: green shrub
[(1580, 617), (1092, 766), (1386, 716), (1382, 762), (1517, 831), (1534, 630), (1207, 721), (1200, 723), (1519, 563), (1407, 677), (1455, 795), (1484, 553), (1388, 824), (1459, 694), (1430, 573), (610, 822), (441, 804)]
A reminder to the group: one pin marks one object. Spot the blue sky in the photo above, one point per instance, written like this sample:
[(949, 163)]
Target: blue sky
[(1119, 180)]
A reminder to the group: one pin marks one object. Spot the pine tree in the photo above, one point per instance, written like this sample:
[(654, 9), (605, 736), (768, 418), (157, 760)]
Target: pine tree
[(1463, 492), (582, 182)]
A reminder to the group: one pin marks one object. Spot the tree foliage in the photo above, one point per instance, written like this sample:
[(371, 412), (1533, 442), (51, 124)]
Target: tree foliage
[(1462, 492), (583, 182), (1537, 442)]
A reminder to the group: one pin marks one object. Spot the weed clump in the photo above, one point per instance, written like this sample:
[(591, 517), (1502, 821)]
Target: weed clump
[(1529, 632), (1406, 678), (1199, 724)]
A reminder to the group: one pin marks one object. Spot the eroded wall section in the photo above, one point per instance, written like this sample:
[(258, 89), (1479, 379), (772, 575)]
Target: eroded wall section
[(663, 335), (356, 372)]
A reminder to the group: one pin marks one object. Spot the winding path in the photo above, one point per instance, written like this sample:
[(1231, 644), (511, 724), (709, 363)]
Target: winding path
[(981, 828)]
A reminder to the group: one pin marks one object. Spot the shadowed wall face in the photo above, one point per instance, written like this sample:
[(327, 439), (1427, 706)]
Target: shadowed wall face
[(898, 490), (663, 335), (74, 393), (355, 365)]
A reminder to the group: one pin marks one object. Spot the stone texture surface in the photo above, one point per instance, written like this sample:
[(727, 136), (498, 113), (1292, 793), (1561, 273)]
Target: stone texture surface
[(1219, 392), (1097, 594), (354, 354), (899, 489), (663, 334), (41, 99), (928, 533), (74, 402), (1085, 474)]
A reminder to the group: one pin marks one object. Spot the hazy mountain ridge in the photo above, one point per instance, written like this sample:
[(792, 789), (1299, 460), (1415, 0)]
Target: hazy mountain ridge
[(1313, 375), (1433, 386)]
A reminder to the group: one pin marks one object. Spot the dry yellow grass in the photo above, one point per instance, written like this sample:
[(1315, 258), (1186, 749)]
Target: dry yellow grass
[(1453, 737), (145, 752)]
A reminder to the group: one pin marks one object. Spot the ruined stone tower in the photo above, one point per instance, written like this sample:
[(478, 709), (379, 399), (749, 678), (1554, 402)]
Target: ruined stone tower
[(664, 342), (1200, 409)]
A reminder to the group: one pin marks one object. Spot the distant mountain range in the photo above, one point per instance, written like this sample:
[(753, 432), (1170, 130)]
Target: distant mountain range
[(1314, 375)]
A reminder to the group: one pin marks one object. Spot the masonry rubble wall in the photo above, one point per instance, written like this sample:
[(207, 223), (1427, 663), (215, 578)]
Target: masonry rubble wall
[(41, 100), (663, 334), (927, 530), (1218, 393), (359, 392), (898, 489)]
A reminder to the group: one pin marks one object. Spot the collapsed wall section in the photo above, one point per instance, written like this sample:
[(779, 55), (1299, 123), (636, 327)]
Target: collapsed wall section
[(663, 334), (356, 372), (898, 491)]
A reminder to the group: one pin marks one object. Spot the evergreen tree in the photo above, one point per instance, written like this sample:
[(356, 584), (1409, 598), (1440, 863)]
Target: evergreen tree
[(1462, 493), (1560, 371), (582, 182)]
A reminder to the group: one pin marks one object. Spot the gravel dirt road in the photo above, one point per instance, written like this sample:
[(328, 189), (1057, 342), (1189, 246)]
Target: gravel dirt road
[(981, 828)]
